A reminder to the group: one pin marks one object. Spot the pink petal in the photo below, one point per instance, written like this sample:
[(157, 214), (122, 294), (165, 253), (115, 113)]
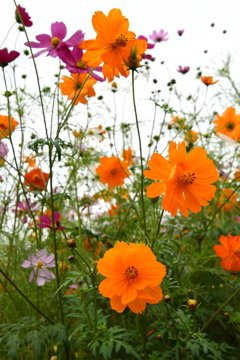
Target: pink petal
[(76, 38), (56, 217), (40, 281), (45, 220), (49, 259), (26, 264), (32, 259), (59, 30), (33, 272)]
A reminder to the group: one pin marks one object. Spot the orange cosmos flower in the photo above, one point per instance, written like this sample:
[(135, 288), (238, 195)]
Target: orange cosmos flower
[(191, 136), (133, 276), (229, 251), (237, 175), (228, 124), (185, 179), (112, 171), (30, 160), (114, 211), (127, 156), (208, 80), (7, 125), (36, 180), (113, 44), (71, 87), (229, 198)]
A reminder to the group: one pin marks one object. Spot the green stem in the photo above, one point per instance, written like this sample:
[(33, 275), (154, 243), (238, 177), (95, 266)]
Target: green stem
[(220, 309), (25, 297), (141, 158)]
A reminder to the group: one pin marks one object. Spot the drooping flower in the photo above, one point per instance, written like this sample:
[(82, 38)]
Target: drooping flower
[(133, 276), (3, 152), (227, 200), (22, 209), (96, 133), (52, 44), (71, 86), (229, 251), (127, 156), (24, 15), (7, 57), (112, 171), (228, 124), (191, 136), (180, 32), (75, 64), (46, 222), (183, 69), (159, 36), (184, 180), (208, 80), (7, 125), (36, 180), (113, 44), (40, 264)]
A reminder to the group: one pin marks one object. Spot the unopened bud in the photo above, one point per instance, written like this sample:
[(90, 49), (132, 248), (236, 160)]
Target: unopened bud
[(225, 314), (109, 244), (167, 298), (71, 258), (71, 243), (159, 336), (192, 304), (104, 237)]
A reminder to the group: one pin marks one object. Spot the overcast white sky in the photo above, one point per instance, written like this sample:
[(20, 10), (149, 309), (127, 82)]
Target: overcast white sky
[(194, 16)]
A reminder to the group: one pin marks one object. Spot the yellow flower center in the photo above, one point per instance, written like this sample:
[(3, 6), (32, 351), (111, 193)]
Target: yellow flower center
[(113, 171), (90, 132), (55, 41), (35, 177), (120, 40), (131, 273), (186, 178), (39, 264), (81, 64)]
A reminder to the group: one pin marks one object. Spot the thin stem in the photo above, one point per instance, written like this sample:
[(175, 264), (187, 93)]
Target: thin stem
[(141, 158), (220, 309), (25, 297)]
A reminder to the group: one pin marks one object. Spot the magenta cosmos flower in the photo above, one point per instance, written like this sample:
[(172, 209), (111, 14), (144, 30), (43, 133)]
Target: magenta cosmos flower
[(75, 64), (183, 69), (24, 15), (149, 46), (159, 36), (3, 150), (40, 264), (180, 32), (22, 209), (7, 57), (46, 222), (52, 44)]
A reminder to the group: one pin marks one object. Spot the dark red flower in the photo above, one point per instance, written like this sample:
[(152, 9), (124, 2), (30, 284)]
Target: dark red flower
[(24, 15), (7, 57)]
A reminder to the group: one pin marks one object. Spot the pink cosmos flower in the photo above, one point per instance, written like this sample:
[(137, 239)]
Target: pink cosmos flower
[(25, 17), (40, 264), (180, 32), (149, 46), (7, 57), (3, 150), (46, 222), (52, 44), (183, 69), (158, 37), (75, 64), (24, 209)]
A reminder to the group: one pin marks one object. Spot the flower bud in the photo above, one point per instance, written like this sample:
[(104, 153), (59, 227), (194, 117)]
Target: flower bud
[(167, 298), (71, 258), (192, 304), (71, 243)]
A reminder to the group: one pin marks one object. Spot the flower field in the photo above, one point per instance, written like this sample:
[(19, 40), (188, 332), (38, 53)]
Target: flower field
[(120, 231)]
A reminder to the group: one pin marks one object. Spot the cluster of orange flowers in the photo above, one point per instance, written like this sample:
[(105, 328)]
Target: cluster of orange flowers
[(184, 180)]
